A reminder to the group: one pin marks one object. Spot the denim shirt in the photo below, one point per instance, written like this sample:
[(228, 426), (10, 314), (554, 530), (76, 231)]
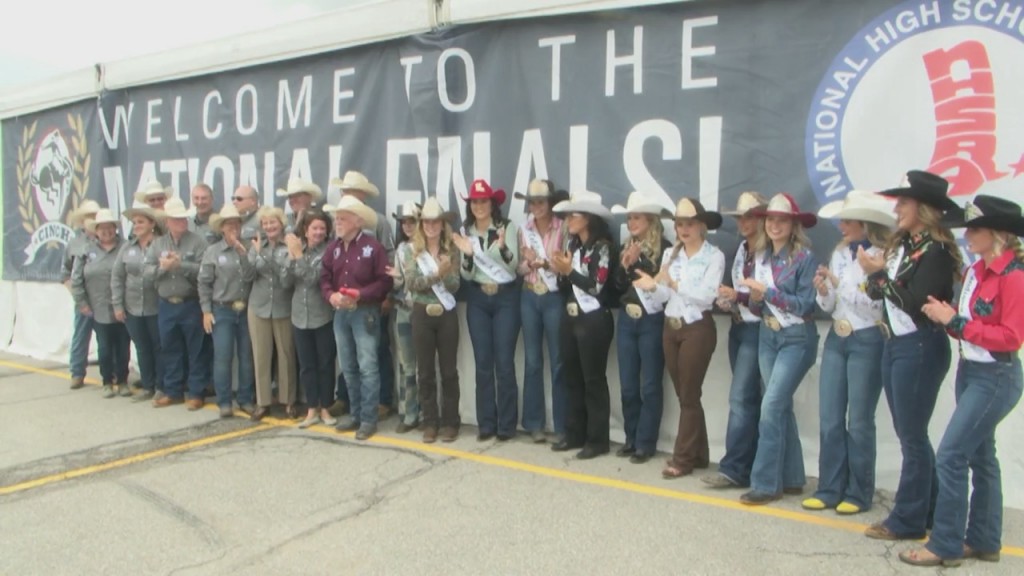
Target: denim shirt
[(271, 295), (132, 291), (794, 283), (90, 281), (180, 282), (309, 309)]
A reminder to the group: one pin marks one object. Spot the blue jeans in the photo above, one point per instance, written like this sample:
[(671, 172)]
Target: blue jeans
[(784, 357), (851, 383), (181, 343), (913, 367), (985, 394), (494, 329), (387, 363), (541, 318), (145, 333), (357, 333), (113, 348), (641, 373), (81, 337), (231, 338), (407, 390), (744, 403)]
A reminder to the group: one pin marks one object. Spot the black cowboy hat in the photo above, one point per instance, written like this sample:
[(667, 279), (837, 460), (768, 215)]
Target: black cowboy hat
[(988, 212), (692, 208), (924, 187)]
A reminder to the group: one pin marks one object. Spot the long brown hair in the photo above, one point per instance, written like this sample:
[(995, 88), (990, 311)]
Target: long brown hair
[(877, 234), (931, 218)]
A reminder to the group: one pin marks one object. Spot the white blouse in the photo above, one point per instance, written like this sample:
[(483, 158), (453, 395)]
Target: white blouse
[(697, 280), (849, 301)]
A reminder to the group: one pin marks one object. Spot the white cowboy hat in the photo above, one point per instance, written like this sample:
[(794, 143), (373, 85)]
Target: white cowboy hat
[(432, 211), (153, 188), (175, 208), (353, 205), (228, 212), (583, 201), (640, 203), (691, 208), (143, 209), (355, 181), (87, 208), (538, 189), (407, 209), (104, 216), (861, 205), (300, 186), (783, 204), (745, 203)]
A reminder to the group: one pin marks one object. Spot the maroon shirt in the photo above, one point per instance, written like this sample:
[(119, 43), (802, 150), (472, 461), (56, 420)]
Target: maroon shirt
[(362, 267)]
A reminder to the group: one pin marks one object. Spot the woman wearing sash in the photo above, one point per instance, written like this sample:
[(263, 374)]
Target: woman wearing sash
[(490, 247), (989, 323), (745, 389), (407, 218), (782, 292), (688, 282), (431, 271), (541, 306), (921, 260), (587, 326), (851, 364), (641, 323)]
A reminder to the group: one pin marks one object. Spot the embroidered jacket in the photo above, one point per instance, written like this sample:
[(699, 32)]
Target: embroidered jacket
[(926, 269), (997, 306)]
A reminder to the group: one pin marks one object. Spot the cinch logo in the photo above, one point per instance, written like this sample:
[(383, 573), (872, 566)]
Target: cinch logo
[(52, 181), (933, 85)]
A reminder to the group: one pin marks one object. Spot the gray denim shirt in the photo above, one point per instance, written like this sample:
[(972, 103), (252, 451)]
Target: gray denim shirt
[(203, 229), (181, 282), (90, 281), (250, 227), (224, 276), (132, 292), (271, 295), (75, 248), (309, 309)]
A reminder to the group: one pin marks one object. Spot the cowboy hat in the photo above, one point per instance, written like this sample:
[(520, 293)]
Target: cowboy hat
[(863, 206), (175, 208), (924, 187), (408, 209), (355, 181), (104, 216), (87, 208), (583, 201), (782, 204), (640, 203), (153, 188), (432, 211), (300, 186), (228, 212), (691, 208), (481, 190), (745, 203), (143, 209), (355, 206), (989, 212)]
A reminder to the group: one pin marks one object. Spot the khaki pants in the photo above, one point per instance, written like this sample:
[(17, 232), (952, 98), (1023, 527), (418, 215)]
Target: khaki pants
[(688, 353), (267, 336)]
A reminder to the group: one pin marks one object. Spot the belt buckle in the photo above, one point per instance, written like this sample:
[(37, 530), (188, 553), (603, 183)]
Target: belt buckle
[(435, 310), (842, 327), (773, 323), (674, 323), (634, 311), (175, 300), (238, 305), (539, 288), (573, 309), (489, 288)]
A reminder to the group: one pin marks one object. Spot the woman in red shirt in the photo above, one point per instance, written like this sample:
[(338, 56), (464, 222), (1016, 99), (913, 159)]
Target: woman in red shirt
[(989, 323)]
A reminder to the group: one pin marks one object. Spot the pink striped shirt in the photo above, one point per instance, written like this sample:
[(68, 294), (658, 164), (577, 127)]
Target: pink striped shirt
[(554, 241)]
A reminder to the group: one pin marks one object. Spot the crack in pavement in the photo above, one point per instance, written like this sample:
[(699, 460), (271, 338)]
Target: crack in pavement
[(200, 564)]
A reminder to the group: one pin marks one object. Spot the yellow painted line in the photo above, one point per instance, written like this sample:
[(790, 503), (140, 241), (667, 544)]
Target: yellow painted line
[(45, 372), (577, 477)]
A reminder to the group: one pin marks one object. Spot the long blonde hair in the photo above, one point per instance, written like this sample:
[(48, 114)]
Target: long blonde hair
[(930, 217), (1007, 241), (798, 239), (877, 234), (650, 241), (419, 239)]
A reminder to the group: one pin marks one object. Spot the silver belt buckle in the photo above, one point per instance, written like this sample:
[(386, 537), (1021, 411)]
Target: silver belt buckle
[(435, 310), (773, 323), (842, 327), (674, 323), (489, 289), (175, 300), (634, 311), (539, 288), (238, 305), (573, 309)]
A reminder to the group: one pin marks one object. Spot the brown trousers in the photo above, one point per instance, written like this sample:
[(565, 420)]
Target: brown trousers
[(267, 336), (436, 341), (688, 353)]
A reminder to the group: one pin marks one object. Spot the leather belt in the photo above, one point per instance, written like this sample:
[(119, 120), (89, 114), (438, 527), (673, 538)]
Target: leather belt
[(178, 300), (1004, 357), (236, 305)]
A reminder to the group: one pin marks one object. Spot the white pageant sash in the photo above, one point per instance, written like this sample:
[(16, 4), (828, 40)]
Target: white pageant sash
[(901, 322), (536, 243), (493, 270), (425, 262), (763, 273), (967, 350), (737, 283), (677, 272), (587, 302)]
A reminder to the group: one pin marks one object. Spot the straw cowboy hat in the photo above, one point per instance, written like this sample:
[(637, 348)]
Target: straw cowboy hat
[(691, 208), (782, 204), (408, 209), (143, 209), (355, 181), (586, 202), (432, 211), (175, 208), (863, 206), (989, 212), (354, 206), (228, 212), (153, 188), (924, 187), (640, 203), (745, 203), (300, 186), (542, 190), (87, 208), (481, 190), (104, 216)]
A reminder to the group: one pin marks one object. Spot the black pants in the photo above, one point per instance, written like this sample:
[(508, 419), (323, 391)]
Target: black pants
[(437, 337), (316, 350), (585, 342), (114, 349)]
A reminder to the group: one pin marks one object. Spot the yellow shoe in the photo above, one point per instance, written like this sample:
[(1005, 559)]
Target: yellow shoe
[(847, 508), (813, 504)]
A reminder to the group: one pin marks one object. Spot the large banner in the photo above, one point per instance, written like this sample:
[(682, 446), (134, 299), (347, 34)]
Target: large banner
[(703, 99)]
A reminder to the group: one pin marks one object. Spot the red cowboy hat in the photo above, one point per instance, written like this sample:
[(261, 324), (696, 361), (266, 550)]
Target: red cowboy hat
[(481, 190)]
